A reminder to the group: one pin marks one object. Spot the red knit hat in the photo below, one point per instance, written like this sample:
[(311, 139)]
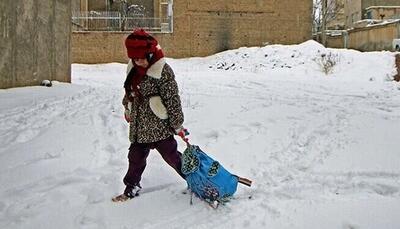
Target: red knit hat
[(139, 44)]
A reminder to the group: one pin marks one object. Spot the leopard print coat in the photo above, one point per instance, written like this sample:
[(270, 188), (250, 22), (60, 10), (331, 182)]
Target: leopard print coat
[(159, 113)]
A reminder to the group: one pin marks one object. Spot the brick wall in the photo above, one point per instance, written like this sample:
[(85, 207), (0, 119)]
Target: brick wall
[(205, 27), (98, 47)]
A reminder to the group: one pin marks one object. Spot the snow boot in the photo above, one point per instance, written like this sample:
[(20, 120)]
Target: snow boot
[(131, 191)]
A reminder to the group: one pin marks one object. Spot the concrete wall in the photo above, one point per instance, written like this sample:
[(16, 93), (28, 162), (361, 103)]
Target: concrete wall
[(334, 42), (34, 42), (372, 38), (205, 27)]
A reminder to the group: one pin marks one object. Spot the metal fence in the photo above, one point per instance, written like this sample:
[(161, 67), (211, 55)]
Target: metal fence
[(115, 21)]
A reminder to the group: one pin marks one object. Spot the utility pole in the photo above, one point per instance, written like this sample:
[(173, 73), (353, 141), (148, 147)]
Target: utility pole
[(323, 21)]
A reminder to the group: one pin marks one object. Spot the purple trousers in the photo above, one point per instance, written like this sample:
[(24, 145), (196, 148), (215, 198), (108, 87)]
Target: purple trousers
[(138, 152)]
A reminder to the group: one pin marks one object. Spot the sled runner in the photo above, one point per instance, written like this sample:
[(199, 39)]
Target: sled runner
[(207, 178)]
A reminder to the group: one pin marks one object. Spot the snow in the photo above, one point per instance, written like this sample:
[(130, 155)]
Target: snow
[(321, 149)]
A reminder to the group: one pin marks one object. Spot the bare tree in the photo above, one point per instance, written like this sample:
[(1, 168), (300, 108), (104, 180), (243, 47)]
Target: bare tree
[(324, 12)]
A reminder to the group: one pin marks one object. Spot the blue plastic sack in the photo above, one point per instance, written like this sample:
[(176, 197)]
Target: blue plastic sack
[(206, 177)]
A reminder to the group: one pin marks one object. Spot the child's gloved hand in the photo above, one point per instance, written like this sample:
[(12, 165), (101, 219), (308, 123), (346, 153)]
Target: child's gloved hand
[(182, 132)]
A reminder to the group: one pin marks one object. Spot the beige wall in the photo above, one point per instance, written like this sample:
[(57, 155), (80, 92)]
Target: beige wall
[(98, 47), (373, 38), (334, 42), (205, 27), (34, 42)]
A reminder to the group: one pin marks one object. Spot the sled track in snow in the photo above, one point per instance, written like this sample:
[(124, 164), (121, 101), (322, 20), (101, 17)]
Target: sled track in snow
[(31, 121)]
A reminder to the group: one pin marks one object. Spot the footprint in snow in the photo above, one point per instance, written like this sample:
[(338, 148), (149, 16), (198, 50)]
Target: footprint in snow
[(26, 135), (213, 135), (86, 222), (95, 196), (347, 225)]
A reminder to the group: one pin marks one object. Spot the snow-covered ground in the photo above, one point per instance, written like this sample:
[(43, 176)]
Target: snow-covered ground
[(323, 150)]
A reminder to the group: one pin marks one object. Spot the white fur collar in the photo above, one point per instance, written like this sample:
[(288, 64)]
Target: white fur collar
[(154, 71)]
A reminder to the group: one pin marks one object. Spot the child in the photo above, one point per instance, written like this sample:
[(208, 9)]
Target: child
[(152, 109)]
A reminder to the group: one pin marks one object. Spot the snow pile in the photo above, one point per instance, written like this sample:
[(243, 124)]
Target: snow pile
[(303, 59)]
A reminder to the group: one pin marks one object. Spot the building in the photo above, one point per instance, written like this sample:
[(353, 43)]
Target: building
[(383, 12), (112, 5), (336, 20), (35, 39), (118, 15), (205, 27), (356, 10), (371, 26)]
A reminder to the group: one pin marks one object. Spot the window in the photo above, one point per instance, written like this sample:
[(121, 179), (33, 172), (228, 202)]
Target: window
[(124, 16), (369, 15)]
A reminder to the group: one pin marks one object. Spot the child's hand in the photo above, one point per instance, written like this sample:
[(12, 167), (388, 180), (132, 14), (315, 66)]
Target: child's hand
[(127, 116), (182, 132)]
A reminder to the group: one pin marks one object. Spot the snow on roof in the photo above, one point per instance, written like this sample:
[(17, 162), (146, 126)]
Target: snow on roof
[(382, 7), (384, 22)]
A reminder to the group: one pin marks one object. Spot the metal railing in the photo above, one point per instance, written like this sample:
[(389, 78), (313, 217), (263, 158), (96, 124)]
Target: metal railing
[(115, 21)]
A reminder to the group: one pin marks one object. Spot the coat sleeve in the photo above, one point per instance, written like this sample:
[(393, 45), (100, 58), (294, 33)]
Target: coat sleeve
[(125, 100), (169, 93)]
